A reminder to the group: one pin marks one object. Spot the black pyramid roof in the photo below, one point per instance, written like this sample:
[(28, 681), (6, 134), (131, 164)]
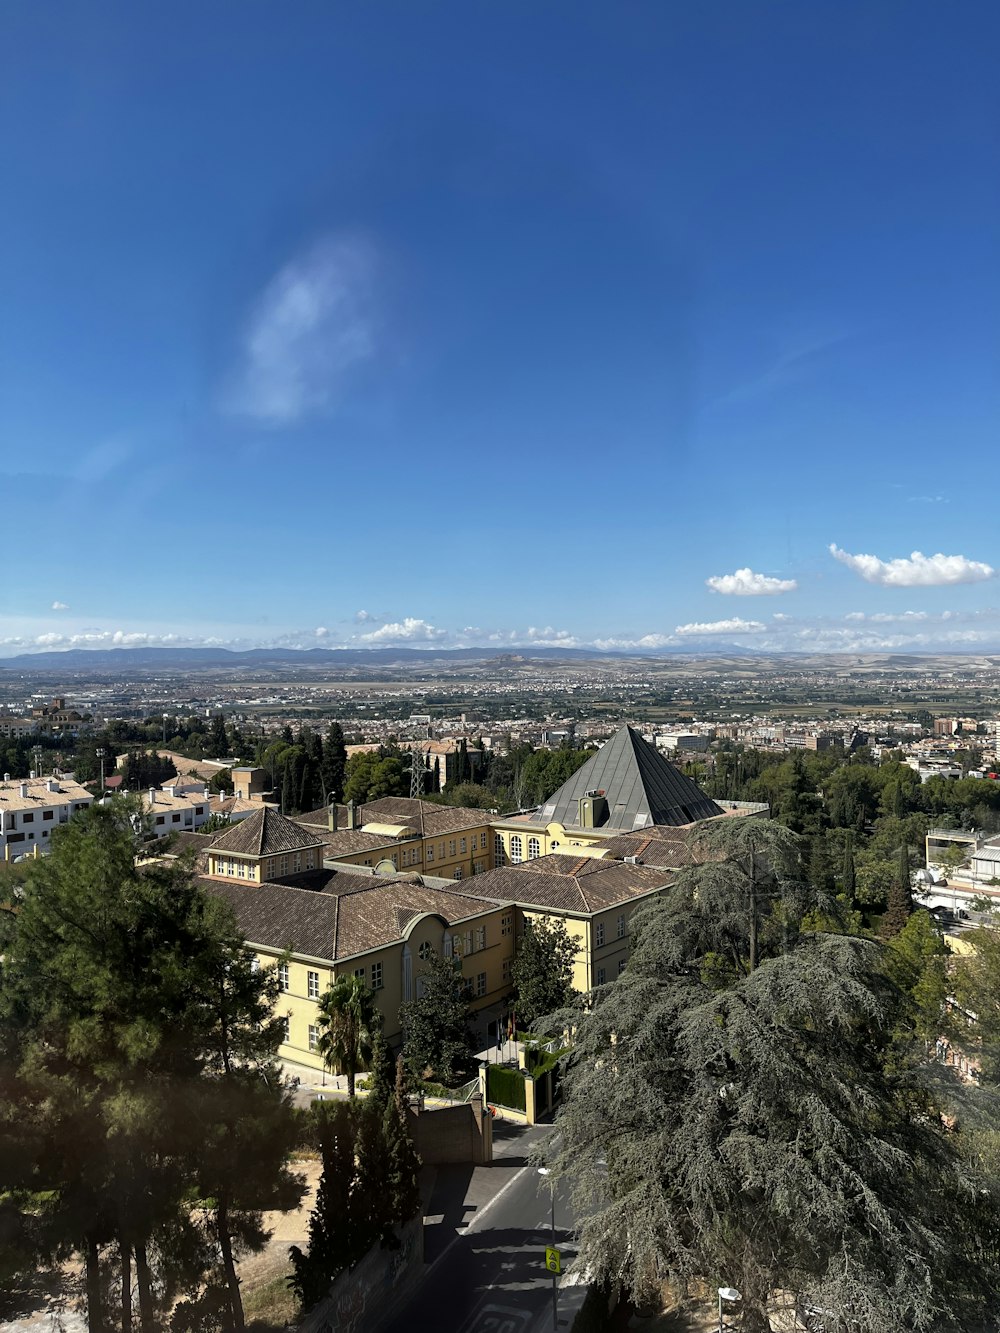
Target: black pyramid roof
[(639, 785)]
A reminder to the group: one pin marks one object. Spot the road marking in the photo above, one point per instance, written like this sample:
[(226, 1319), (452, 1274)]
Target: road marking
[(479, 1215)]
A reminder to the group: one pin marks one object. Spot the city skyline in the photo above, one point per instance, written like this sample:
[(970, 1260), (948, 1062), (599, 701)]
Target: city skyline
[(630, 328)]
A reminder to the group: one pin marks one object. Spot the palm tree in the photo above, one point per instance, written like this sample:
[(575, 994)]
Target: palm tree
[(347, 1020)]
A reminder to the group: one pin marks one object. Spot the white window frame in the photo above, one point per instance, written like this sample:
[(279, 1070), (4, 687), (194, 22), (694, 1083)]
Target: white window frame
[(377, 976), (516, 849), (534, 849), (599, 935), (283, 976), (621, 925), (312, 984), (313, 1037), (499, 855)]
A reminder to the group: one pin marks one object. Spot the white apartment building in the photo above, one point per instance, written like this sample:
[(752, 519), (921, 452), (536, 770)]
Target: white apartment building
[(183, 812), (31, 808)]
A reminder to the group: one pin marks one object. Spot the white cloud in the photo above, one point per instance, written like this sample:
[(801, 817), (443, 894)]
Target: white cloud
[(314, 322), (650, 641), (366, 618), (733, 626), (410, 630), (550, 638), (60, 606), (745, 583), (916, 570)]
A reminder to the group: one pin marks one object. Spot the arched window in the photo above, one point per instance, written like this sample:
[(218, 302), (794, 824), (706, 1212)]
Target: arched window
[(499, 856), (534, 849), (516, 854)]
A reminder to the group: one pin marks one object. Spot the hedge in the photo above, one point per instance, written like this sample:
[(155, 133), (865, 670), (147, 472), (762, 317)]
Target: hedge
[(505, 1087)]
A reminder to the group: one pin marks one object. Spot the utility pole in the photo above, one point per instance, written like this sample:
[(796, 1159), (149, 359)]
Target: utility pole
[(546, 1174)]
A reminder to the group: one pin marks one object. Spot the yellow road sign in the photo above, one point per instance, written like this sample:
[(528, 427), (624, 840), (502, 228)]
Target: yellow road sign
[(552, 1260)]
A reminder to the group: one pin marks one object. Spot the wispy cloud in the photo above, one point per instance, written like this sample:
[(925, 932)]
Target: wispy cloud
[(733, 626), (313, 323), (60, 606), (916, 570), (745, 583)]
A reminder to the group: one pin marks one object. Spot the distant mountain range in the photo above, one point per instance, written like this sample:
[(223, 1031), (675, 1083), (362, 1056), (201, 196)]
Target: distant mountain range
[(188, 659)]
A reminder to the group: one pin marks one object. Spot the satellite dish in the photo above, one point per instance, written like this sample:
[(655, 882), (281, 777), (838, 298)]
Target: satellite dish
[(385, 866)]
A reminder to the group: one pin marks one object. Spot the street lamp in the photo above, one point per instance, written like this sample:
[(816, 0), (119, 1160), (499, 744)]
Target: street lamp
[(100, 755), (37, 753), (165, 716), (727, 1294), (546, 1174)]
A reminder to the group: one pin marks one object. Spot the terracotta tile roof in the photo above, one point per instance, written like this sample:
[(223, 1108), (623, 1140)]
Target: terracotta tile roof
[(352, 914), (428, 818), (264, 834), (571, 883), (655, 846)]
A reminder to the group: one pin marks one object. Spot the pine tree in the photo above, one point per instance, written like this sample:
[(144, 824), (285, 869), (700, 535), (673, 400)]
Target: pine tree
[(124, 993), (760, 1133)]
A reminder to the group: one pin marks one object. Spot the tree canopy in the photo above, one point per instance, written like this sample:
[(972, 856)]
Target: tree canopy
[(542, 971), (137, 1044)]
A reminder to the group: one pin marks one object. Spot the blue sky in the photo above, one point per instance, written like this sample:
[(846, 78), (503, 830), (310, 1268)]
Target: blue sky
[(500, 323)]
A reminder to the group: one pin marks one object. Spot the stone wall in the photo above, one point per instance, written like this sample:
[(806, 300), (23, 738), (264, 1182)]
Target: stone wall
[(361, 1299)]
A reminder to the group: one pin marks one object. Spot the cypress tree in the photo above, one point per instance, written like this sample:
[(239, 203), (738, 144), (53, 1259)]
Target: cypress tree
[(332, 1244), (848, 876), (381, 1071), (402, 1160), (900, 905)]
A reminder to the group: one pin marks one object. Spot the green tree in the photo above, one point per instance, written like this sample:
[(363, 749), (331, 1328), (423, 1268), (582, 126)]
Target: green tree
[(435, 1024), (917, 961), (752, 1136), (743, 897), (216, 743), (334, 1239), (113, 1034), (401, 1157), (900, 904), (222, 781), (346, 1020), (371, 775), (848, 877), (542, 971), (382, 1070)]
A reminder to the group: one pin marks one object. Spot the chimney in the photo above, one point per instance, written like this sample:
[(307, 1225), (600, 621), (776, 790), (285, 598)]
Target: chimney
[(331, 817), (6, 777), (152, 796), (352, 815), (208, 794), (51, 785), (24, 791)]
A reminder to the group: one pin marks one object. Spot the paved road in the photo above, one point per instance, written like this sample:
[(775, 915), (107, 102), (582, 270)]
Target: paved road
[(491, 1277)]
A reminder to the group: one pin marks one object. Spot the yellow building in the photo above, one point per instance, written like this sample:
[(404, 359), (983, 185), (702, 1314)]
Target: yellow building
[(593, 896), (403, 833), (625, 788), (316, 924)]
